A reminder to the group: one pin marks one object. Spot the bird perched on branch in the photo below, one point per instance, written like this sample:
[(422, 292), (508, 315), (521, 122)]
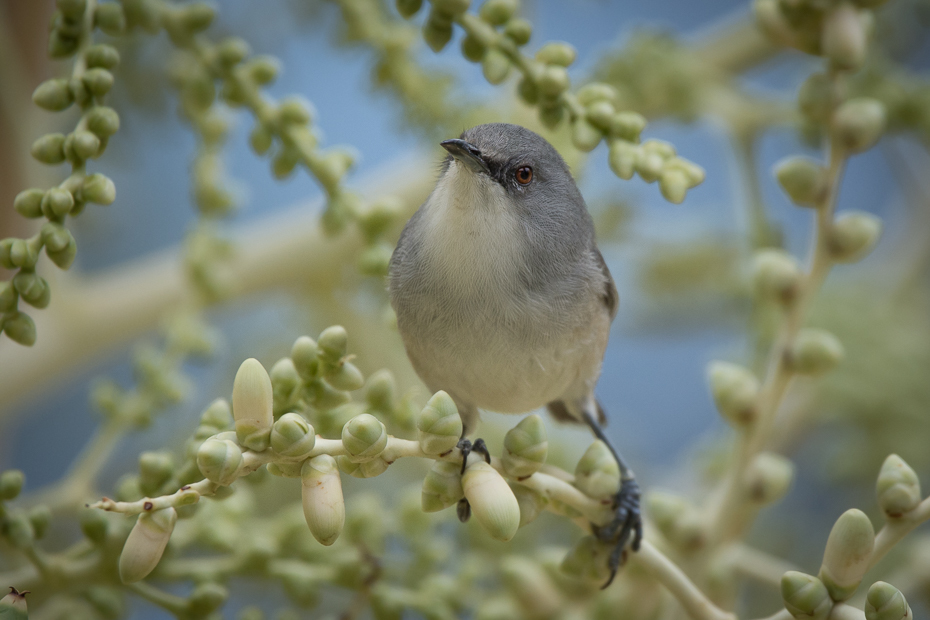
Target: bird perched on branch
[(502, 297)]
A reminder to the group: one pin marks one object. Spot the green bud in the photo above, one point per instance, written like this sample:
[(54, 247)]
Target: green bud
[(673, 184), (155, 469), (587, 560), (495, 66), (853, 235), (816, 97), (8, 297), (531, 503), (323, 504), (776, 275), (18, 531), (345, 376), (380, 390), (367, 469), (885, 602), (518, 30), (253, 405), (593, 92), (497, 12), (622, 158), (305, 355), (858, 124), (408, 8), (379, 217), (805, 596), (101, 55), (284, 381), (601, 114), (325, 398), (219, 460), (442, 486), (492, 502), (292, 436), (597, 473), (57, 203), (437, 31), (13, 605), (94, 524), (146, 544), (898, 487), (439, 426), (11, 483), (553, 81), (261, 139), (294, 110), (557, 53), (649, 165), (98, 81), (284, 162), (109, 18), (197, 17), (375, 260), (49, 149), (28, 203), (815, 351), (18, 253), (364, 438), (19, 328), (264, 69), (103, 121), (82, 145), (333, 343), (206, 598), (551, 114), (525, 448), (847, 554), (60, 45), (768, 478), (98, 188), (59, 244), (473, 48), (233, 50), (528, 92), (218, 414), (53, 95), (803, 179), (627, 126), (33, 289), (665, 510), (844, 38), (585, 136)]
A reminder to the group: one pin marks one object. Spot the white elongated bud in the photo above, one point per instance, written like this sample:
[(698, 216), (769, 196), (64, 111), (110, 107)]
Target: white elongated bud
[(525, 448), (846, 557), (898, 487), (805, 596), (364, 438), (853, 235), (844, 38), (587, 560), (219, 460), (146, 544), (492, 501), (439, 426), (735, 390), (858, 124), (321, 493), (885, 602), (253, 405), (292, 436), (768, 478), (597, 473), (815, 351), (776, 275), (366, 469), (442, 486)]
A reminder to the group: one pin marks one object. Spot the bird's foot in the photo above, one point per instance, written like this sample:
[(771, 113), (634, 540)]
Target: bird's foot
[(626, 525), (463, 509)]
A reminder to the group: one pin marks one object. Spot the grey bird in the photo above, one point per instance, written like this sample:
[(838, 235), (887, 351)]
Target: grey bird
[(502, 297)]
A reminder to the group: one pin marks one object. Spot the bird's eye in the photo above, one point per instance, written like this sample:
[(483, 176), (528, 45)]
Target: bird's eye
[(524, 175)]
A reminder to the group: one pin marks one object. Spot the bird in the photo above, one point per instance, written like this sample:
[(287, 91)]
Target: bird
[(503, 299)]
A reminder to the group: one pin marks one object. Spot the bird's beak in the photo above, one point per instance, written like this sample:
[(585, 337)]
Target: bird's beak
[(466, 153)]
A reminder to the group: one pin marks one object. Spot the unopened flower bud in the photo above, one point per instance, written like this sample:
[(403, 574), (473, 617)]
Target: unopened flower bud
[(18, 531), (345, 376), (218, 414), (13, 605), (28, 203), (219, 460), (49, 149), (525, 448), (492, 501), (333, 343), (83, 145), (57, 202), (497, 12), (495, 66), (253, 405), (98, 81), (622, 158), (53, 95), (94, 525), (379, 392), (587, 560), (408, 8), (324, 507), (665, 509), (305, 355), (33, 289), (768, 478), (292, 436), (103, 121), (99, 189), (858, 123), (627, 126), (885, 602), (735, 390), (439, 426), (518, 30), (844, 38), (529, 584), (898, 487), (776, 275), (847, 554), (553, 81), (364, 438), (206, 598), (597, 473), (442, 486), (155, 469), (531, 503), (109, 18), (19, 327), (673, 184), (102, 55), (803, 179), (146, 544), (814, 352), (853, 235), (557, 53), (805, 596), (367, 469), (649, 165), (585, 136)]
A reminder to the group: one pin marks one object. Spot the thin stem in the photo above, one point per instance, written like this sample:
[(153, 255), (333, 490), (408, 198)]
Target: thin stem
[(897, 528), (759, 565), (169, 602)]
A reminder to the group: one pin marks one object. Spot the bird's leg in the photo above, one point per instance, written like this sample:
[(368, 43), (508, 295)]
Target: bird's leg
[(467, 447), (627, 521)]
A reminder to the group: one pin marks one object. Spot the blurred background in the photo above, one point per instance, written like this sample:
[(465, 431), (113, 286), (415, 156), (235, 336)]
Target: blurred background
[(680, 269)]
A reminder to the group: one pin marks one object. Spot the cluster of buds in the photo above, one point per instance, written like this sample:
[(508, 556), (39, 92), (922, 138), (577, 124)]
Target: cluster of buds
[(679, 521), (20, 528), (735, 390)]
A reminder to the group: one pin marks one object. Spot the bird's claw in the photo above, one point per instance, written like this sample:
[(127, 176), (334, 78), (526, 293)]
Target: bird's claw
[(627, 523), (463, 509)]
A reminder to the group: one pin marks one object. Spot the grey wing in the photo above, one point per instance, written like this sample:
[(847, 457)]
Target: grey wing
[(611, 297)]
